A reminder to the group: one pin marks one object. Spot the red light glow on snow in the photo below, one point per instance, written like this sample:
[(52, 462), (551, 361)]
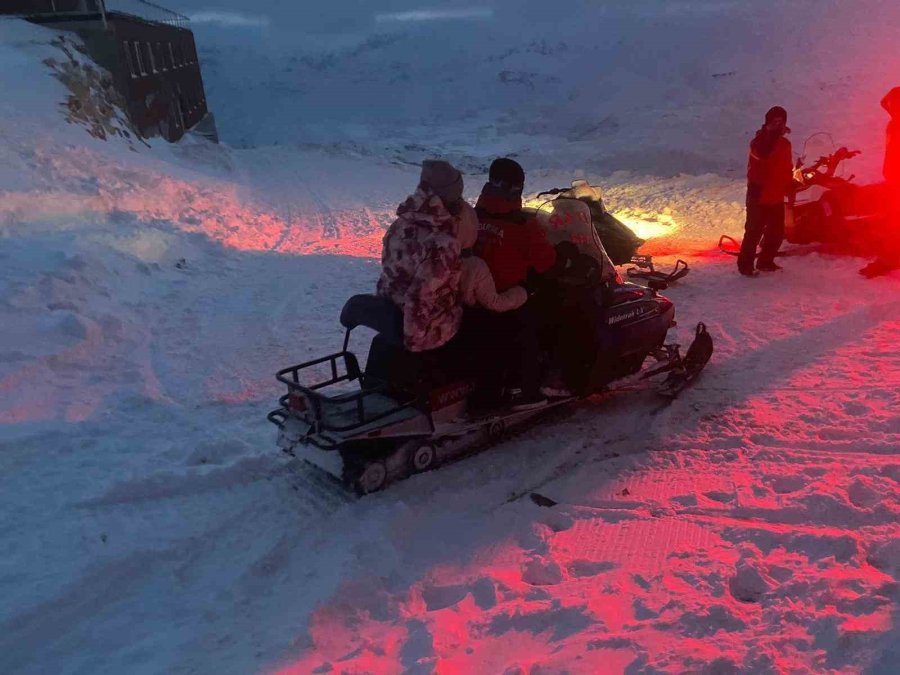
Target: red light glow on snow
[(217, 210), (609, 585), (223, 214), (745, 539)]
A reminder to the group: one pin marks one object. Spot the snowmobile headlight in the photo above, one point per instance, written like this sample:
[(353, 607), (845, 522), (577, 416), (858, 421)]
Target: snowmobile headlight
[(648, 225)]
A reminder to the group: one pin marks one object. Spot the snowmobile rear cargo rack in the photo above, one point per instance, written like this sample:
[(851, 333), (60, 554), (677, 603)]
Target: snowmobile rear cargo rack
[(342, 411)]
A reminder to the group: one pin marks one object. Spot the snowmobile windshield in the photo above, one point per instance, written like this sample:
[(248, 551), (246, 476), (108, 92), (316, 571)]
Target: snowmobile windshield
[(816, 146), (582, 189), (569, 220)]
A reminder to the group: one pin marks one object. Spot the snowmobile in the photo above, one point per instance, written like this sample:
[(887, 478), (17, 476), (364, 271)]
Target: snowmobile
[(405, 412), (619, 242), (850, 218), (833, 211)]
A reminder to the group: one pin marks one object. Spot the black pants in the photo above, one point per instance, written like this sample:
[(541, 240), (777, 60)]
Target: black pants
[(505, 346), (764, 222), (569, 326)]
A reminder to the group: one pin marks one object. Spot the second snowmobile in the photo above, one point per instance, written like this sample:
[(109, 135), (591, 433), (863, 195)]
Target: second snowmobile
[(619, 242), (848, 217), (831, 210), (404, 412)]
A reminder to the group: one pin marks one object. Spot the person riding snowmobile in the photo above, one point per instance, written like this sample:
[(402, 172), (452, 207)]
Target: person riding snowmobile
[(769, 182), (482, 338), (509, 241), (476, 286), (421, 262), (889, 259), (512, 243)]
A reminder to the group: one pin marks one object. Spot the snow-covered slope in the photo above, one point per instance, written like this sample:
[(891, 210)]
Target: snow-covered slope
[(656, 86), (147, 294)]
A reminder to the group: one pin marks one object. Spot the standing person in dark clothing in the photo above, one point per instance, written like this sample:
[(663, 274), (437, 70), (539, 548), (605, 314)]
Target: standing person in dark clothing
[(511, 244), (890, 256), (769, 181)]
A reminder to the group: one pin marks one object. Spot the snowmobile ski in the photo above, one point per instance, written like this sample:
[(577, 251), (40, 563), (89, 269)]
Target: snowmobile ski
[(731, 246), (691, 365)]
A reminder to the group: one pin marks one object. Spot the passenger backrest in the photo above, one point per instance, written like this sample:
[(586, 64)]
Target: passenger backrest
[(375, 312)]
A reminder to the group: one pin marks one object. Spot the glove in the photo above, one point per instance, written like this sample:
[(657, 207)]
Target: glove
[(533, 282)]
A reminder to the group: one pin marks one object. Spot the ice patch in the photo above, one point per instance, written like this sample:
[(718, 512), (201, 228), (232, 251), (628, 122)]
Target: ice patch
[(886, 557), (748, 583), (542, 572), (589, 568), (441, 597), (558, 621)]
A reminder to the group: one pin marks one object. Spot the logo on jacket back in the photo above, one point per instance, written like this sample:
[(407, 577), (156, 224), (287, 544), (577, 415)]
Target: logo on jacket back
[(491, 230)]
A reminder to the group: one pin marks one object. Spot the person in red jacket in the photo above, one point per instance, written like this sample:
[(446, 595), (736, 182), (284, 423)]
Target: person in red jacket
[(890, 257), (509, 241), (512, 244), (769, 181)]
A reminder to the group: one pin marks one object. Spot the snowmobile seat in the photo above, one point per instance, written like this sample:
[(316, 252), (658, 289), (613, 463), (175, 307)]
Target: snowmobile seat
[(388, 361), (375, 312), (622, 293)]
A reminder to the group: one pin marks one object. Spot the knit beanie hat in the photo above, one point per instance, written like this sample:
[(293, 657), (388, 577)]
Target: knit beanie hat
[(776, 112), (508, 173), (443, 179)]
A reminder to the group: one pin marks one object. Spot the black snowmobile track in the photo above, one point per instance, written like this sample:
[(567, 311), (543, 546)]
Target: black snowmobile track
[(318, 485), (328, 486)]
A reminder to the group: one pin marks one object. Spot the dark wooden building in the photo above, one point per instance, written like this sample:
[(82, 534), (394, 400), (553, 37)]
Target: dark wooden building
[(152, 59)]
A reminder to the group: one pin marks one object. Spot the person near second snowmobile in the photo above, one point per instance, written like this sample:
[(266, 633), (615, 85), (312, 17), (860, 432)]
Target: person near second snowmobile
[(421, 261), (512, 244), (769, 182), (889, 259)]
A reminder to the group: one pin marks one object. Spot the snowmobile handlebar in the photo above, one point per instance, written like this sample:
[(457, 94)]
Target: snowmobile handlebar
[(828, 162), (553, 191), (823, 169)]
